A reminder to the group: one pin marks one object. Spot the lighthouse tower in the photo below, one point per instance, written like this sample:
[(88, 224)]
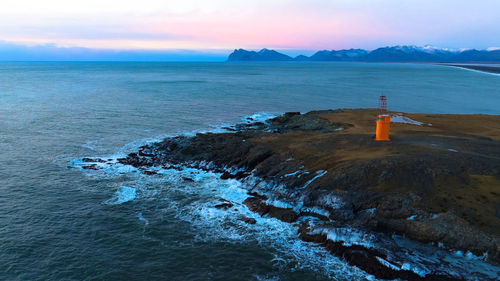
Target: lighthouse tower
[(384, 121)]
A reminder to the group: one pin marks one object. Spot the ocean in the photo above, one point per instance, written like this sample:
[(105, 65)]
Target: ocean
[(58, 222)]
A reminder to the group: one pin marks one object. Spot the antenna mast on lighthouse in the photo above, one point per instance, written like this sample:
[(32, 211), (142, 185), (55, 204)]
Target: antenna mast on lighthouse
[(382, 104)]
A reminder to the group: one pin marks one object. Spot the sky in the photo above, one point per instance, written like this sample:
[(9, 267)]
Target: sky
[(211, 29)]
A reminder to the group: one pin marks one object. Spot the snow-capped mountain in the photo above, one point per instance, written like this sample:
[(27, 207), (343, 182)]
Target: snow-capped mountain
[(404, 53), (262, 55)]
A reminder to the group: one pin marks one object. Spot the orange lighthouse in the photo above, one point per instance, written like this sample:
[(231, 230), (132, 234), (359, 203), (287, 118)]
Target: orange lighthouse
[(383, 127), (383, 122)]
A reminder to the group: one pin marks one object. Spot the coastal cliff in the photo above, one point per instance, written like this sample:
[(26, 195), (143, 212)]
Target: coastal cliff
[(436, 182)]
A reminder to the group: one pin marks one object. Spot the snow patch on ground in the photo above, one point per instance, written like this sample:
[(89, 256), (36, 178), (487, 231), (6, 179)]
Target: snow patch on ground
[(319, 174), (406, 120), (293, 174)]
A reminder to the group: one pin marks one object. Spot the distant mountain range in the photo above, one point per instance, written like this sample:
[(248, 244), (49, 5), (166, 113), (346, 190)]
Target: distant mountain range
[(385, 54)]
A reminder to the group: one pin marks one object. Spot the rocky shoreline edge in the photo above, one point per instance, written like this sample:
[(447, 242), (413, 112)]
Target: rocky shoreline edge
[(337, 194), (483, 67)]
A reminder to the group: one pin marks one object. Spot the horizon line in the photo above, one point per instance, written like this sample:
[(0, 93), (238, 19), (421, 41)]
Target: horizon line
[(49, 52)]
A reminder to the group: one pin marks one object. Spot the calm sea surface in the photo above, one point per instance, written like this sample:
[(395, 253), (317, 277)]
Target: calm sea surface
[(60, 223)]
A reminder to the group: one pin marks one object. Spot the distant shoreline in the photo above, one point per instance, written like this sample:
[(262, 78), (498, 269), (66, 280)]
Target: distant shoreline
[(482, 67)]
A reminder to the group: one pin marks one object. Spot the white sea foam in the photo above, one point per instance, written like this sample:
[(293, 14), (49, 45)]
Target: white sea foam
[(266, 278), (92, 145), (370, 211), (470, 256), (419, 270), (331, 200), (141, 218), (316, 210), (120, 169), (110, 166), (233, 192), (215, 128), (347, 236), (122, 195), (258, 117), (280, 203)]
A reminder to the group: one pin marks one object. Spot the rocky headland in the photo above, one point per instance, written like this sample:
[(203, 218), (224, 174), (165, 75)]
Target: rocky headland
[(437, 182)]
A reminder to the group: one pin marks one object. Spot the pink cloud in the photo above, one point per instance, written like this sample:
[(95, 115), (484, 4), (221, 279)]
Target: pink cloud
[(275, 31), (225, 24)]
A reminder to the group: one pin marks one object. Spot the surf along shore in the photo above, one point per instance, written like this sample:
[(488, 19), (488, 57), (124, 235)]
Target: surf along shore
[(437, 182)]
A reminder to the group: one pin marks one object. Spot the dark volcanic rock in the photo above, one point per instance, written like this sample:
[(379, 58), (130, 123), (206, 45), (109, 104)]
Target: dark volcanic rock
[(224, 206), (256, 205), (294, 121), (99, 160), (238, 175), (283, 214), (247, 220), (290, 114), (311, 214), (226, 176), (447, 228), (91, 167), (366, 259), (260, 196)]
